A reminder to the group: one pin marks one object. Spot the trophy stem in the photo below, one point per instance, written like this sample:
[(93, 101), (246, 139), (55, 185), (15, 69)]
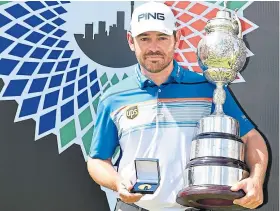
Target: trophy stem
[(219, 98)]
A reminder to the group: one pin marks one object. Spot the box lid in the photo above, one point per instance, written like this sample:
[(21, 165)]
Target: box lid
[(147, 170)]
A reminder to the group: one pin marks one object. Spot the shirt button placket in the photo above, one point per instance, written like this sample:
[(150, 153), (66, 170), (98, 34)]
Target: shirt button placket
[(158, 97), (159, 103)]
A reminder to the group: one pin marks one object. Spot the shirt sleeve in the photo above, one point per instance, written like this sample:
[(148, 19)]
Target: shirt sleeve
[(105, 135), (231, 108)]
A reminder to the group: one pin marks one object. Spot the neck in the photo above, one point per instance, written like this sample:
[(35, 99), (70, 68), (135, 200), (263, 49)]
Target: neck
[(161, 77)]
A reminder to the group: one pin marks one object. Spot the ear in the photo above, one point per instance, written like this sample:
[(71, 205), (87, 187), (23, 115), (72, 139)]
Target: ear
[(178, 37), (130, 41)]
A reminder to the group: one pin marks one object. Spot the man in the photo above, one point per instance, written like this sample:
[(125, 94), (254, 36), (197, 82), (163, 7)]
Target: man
[(153, 114)]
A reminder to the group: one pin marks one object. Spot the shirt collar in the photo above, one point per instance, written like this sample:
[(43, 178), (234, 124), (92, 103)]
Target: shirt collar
[(175, 76)]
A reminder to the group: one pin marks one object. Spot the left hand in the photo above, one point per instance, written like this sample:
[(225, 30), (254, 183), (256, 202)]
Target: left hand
[(254, 192)]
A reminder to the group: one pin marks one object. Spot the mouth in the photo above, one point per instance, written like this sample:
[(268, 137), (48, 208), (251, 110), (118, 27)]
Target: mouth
[(154, 57)]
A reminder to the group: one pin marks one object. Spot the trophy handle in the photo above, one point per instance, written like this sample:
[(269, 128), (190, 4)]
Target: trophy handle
[(236, 19), (225, 5), (239, 24)]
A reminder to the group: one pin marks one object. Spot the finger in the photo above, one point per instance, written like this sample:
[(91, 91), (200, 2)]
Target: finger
[(255, 198), (242, 201), (127, 184), (250, 205), (126, 194), (136, 197), (130, 198), (254, 204), (237, 186), (136, 194), (123, 191)]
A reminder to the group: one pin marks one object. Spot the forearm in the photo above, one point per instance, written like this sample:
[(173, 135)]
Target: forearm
[(256, 155), (103, 173)]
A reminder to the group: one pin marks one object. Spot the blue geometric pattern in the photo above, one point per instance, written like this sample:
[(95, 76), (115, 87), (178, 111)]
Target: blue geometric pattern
[(34, 37), (47, 122), (67, 110), (7, 66), (30, 106), (4, 43), (35, 5), (17, 11), (38, 69), (15, 88), (33, 21), (4, 20), (27, 68), (20, 50), (17, 31), (39, 53), (38, 85), (51, 84)]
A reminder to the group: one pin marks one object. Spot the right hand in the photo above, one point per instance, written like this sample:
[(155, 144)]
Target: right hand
[(124, 188)]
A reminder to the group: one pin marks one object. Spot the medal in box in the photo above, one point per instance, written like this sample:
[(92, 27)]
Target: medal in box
[(147, 175)]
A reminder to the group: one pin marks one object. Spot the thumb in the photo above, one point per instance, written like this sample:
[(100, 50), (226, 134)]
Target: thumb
[(127, 184), (237, 186)]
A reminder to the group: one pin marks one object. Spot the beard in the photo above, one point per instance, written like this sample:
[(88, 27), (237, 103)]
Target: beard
[(155, 62)]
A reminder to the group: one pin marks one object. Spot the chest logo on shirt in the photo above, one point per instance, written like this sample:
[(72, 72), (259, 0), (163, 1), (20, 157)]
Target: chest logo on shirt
[(132, 112)]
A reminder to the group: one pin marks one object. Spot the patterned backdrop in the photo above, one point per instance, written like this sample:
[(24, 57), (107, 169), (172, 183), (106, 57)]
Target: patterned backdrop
[(56, 84)]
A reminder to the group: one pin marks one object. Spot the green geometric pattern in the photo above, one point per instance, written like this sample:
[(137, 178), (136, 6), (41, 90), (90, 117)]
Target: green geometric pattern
[(232, 5), (115, 79), (95, 103), (4, 2), (107, 87), (104, 79), (85, 118), (68, 133), (87, 139), (125, 76)]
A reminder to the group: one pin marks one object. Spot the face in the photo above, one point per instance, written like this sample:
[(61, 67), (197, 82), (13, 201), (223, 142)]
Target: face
[(154, 50)]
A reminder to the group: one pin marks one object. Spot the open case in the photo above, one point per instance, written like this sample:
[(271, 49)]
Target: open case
[(147, 175)]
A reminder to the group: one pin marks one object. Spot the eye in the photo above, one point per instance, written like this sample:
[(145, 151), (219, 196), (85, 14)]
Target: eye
[(144, 39), (162, 38)]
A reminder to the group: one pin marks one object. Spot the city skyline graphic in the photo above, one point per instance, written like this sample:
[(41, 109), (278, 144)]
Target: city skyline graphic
[(96, 46)]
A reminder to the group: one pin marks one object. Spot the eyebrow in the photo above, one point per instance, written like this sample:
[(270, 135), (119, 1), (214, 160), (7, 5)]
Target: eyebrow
[(142, 35), (162, 34), (159, 35)]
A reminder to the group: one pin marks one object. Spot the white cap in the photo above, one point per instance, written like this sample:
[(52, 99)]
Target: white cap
[(152, 16)]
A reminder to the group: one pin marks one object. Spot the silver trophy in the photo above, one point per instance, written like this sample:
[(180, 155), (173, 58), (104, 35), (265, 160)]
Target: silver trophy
[(217, 152)]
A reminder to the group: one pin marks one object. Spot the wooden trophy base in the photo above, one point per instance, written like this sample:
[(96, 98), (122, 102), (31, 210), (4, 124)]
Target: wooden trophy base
[(213, 197)]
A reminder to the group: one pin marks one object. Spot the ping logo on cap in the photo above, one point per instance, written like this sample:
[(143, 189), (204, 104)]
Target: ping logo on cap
[(147, 16)]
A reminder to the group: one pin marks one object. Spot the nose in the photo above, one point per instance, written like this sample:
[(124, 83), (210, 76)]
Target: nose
[(153, 46)]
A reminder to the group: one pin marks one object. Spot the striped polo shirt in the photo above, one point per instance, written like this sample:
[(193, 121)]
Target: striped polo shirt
[(150, 121)]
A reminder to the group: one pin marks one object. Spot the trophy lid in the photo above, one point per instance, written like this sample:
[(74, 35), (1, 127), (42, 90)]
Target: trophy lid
[(222, 21), (223, 14)]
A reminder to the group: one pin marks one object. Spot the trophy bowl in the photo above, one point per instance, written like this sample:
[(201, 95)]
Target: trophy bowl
[(222, 53)]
